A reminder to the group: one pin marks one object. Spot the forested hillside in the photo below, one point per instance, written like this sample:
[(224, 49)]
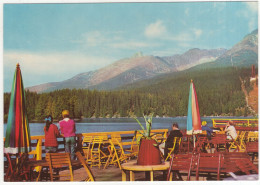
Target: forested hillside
[(219, 93)]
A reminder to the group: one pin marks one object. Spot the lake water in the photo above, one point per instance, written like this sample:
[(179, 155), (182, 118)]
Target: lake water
[(120, 124)]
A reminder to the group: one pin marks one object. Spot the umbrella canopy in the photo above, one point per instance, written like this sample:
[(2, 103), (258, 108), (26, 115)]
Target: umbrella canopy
[(193, 118), (17, 137)]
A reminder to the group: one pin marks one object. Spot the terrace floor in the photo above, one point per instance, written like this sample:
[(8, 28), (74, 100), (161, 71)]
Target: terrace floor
[(113, 173)]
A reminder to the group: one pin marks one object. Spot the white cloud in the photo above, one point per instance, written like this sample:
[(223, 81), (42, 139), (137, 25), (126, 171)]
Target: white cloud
[(155, 30), (131, 45), (197, 32), (219, 5), (251, 14), (187, 11), (48, 67), (253, 6)]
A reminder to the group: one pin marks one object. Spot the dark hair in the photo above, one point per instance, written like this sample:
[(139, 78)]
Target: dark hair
[(48, 120), (175, 125)]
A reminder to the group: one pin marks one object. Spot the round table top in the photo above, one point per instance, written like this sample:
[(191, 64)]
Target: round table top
[(133, 166)]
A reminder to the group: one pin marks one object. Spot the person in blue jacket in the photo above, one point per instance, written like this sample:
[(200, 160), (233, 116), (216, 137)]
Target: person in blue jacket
[(208, 129)]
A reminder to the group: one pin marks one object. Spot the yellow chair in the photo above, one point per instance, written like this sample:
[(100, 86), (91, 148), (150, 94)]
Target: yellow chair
[(117, 154), (252, 136), (116, 136), (238, 143), (88, 171), (135, 145), (86, 147), (177, 140), (58, 161), (97, 155)]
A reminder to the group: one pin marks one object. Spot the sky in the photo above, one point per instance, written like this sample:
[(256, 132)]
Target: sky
[(54, 42)]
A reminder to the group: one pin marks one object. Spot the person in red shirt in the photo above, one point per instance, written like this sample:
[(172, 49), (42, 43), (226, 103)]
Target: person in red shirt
[(51, 133)]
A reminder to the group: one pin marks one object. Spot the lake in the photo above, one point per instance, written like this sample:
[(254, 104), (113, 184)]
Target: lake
[(121, 124)]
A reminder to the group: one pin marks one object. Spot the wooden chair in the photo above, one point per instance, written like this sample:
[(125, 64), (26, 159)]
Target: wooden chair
[(209, 163), (219, 142), (252, 136), (252, 148), (201, 144), (238, 143), (86, 147), (135, 145), (238, 161), (58, 161), (87, 169), (20, 171), (181, 162), (9, 165), (96, 153), (117, 153), (116, 136), (176, 143)]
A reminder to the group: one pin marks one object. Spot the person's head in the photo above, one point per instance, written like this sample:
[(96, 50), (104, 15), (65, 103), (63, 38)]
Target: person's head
[(204, 123), (230, 123), (65, 114), (48, 120), (175, 126)]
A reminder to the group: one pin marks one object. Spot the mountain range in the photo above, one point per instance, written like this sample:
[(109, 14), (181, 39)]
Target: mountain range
[(139, 67)]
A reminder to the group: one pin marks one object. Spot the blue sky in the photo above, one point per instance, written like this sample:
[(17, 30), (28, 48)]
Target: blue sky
[(54, 42)]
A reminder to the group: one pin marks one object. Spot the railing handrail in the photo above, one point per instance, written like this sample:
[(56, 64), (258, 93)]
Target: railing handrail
[(221, 122)]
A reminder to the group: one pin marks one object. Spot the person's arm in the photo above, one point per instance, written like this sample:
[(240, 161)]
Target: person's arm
[(56, 131)]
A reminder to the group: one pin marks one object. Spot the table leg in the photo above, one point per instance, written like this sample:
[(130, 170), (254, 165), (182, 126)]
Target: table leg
[(170, 179), (147, 175), (40, 171), (132, 176), (151, 175), (123, 175)]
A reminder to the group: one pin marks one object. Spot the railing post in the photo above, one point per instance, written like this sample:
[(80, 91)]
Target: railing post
[(38, 152)]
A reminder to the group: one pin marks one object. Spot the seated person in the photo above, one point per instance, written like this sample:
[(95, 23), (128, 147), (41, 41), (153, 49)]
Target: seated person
[(169, 142), (230, 131), (206, 128)]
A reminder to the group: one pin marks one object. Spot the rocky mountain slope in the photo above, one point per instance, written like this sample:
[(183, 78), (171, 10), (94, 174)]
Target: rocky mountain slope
[(129, 70), (138, 67)]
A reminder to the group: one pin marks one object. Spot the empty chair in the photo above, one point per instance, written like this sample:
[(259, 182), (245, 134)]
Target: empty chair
[(86, 147), (209, 163), (97, 156), (181, 162), (58, 161)]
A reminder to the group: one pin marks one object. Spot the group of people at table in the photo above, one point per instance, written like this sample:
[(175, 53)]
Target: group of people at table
[(67, 129)]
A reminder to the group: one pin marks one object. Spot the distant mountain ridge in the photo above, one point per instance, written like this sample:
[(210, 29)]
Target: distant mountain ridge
[(139, 67)]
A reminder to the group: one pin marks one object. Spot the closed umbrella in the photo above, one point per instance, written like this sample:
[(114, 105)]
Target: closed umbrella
[(193, 118), (17, 138)]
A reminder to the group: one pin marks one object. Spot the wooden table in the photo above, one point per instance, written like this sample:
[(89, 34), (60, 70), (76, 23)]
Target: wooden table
[(149, 169)]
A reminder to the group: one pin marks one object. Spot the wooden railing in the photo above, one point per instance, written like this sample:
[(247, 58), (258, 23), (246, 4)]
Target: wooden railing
[(38, 141), (240, 124)]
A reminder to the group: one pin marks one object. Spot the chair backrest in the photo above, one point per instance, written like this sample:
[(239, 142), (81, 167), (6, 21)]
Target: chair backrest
[(86, 140), (88, 170), (116, 136), (183, 162), (209, 162), (252, 136), (59, 160), (96, 142)]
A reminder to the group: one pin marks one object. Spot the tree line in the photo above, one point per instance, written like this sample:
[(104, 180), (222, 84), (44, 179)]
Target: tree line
[(219, 93)]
